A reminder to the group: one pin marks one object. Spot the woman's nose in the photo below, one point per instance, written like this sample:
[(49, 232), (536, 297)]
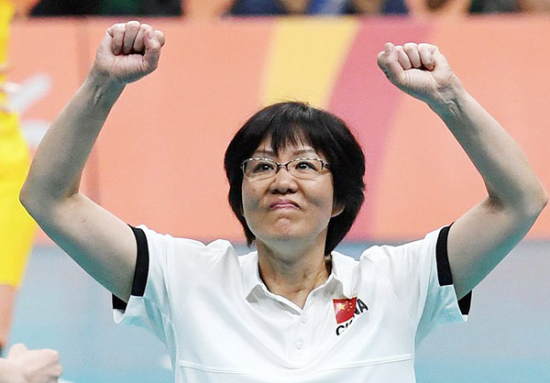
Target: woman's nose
[(283, 181)]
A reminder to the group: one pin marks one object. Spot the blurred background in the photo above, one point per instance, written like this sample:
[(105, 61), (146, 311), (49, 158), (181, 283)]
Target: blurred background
[(159, 160)]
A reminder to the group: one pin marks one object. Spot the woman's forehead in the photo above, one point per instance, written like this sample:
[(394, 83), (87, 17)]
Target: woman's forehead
[(299, 147)]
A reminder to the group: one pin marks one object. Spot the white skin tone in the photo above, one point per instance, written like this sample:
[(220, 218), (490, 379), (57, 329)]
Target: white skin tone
[(30, 366), (101, 243)]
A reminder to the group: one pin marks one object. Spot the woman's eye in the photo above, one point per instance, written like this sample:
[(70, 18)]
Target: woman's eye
[(263, 167), (306, 165)]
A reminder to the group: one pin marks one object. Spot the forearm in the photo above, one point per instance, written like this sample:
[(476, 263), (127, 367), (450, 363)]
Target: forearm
[(60, 158), (509, 178)]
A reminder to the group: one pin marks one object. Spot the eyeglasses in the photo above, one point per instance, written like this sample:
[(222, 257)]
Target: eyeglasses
[(303, 168)]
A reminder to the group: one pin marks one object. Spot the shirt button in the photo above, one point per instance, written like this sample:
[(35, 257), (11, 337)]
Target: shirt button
[(303, 319), (299, 344)]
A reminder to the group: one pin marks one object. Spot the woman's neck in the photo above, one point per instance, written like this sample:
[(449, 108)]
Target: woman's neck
[(295, 274)]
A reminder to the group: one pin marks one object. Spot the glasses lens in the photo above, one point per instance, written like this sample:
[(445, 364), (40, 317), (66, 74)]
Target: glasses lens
[(259, 167), (305, 167)]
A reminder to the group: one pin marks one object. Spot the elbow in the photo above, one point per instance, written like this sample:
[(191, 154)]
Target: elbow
[(537, 202), (39, 201), (543, 200), (526, 205), (25, 197), (31, 199)]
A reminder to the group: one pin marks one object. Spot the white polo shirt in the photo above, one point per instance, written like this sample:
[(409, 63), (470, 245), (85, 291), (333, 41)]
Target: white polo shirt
[(221, 324)]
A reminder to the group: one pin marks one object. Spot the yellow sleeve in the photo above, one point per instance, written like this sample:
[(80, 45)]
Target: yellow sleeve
[(16, 226)]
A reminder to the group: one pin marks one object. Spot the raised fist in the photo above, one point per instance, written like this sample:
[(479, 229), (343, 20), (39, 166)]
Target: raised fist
[(128, 52), (418, 69)]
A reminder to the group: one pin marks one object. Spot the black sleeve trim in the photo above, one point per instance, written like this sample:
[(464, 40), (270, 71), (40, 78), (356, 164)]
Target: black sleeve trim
[(465, 303), (142, 269), (444, 269), (442, 257)]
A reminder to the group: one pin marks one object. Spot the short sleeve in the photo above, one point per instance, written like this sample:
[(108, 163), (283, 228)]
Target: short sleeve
[(167, 271), (148, 306), (419, 275)]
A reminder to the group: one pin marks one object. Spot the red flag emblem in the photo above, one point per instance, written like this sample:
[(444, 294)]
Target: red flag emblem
[(344, 309)]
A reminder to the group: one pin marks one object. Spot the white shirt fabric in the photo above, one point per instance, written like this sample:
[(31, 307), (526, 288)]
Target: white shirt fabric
[(221, 324)]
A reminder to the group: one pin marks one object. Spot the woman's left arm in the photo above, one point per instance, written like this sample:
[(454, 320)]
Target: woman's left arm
[(485, 234)]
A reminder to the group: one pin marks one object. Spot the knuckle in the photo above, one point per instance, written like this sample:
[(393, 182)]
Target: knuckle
[(117, 30), (409, 47), (425, 46), (132, 26), (54, 355)]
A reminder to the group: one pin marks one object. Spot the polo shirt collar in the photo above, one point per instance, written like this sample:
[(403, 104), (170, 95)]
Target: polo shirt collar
[(341, 281), (345, 271), (251, 274)]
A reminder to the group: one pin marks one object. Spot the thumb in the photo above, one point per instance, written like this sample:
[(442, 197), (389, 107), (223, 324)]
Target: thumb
[(161, 38), (17, 350), (152, 48)]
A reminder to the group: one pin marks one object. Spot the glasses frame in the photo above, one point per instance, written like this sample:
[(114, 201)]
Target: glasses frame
[(279, 165)]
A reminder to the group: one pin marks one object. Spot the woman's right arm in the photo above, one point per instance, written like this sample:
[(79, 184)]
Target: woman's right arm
[(99, 242)]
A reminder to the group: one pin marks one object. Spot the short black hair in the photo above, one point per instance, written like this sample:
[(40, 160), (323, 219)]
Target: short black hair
[(292, 122)]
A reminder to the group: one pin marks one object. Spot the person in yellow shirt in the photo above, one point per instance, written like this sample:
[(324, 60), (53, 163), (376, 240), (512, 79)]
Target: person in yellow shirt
[(16, 227)]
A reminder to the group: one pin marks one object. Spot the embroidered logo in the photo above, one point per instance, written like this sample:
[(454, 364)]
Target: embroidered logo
[(345, 311)]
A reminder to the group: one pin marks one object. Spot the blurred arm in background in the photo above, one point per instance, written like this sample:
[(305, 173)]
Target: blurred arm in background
[(30, 366)]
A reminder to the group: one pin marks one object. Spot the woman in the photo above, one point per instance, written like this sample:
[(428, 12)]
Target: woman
[(295, 310)]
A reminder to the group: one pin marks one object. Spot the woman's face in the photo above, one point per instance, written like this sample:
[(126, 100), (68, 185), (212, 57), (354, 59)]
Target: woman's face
[(286, 208)]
